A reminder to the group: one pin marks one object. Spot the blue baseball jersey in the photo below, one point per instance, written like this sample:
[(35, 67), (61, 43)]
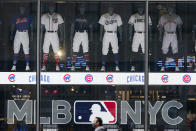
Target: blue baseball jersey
[(81, 23), (22, 22)]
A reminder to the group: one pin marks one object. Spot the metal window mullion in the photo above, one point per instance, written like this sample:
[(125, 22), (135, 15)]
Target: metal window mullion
[(146, 77), (38, 69)]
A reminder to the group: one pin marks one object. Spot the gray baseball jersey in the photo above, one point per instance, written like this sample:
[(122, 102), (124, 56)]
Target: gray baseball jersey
[(170, 22)]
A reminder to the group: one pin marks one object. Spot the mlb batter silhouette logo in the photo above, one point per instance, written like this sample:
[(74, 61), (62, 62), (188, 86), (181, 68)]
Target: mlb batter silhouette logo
[(86, 111)]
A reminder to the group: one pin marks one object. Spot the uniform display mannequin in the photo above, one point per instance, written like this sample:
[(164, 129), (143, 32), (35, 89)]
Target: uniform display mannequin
[(21, 23), (52, 23), (169, 23), (137, 24), (81, 27), (110, 24)]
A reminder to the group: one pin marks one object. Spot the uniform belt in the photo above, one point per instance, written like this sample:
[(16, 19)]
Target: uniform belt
[(110, 31), (51, 31), (139, 32), (22, 30), (81, 31), (171, 32)]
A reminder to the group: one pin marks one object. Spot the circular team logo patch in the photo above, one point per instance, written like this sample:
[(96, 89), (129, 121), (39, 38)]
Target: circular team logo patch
[(186, 78), (88, 78), (67, 78), (11, 78), (109, 78), (164, 78)]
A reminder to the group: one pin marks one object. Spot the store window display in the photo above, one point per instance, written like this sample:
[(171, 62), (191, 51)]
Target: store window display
[(169, 23), (110, 23), (22, 23), (137, 27), (52, 23), (81, 27)]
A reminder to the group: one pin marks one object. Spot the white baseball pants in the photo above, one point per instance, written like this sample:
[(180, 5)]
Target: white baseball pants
[(21, 38), (51, 39), (110, 38), (170, 39), (138, 39), (80, 38)]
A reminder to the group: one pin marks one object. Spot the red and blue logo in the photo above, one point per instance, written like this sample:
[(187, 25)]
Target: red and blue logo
[(86, 111), (165, 79), (67, 78), (109, 78), (11, 78), (88, 78), (186, 78)]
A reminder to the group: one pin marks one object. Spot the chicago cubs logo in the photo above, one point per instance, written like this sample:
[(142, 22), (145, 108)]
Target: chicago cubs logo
[(164, 78), (88, 78), (109, 78), (186, 78), (86, 111), (67, 78), (11, 78)]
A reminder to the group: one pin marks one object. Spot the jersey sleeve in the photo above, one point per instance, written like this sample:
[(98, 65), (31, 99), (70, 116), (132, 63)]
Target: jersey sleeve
[(43, 20), (179, 20), (102, 20), (60, 19), (161, 22), (149, 21), (13, 20), (119, 20), (131, 20)]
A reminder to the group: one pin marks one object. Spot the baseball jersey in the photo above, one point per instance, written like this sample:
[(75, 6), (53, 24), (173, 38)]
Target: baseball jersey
[(51, 22), (81, 23), (139, 22), (170, 22), (110, 23), (22, 22)]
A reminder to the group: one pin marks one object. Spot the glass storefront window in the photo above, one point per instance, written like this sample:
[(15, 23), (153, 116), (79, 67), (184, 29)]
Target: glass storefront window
[(18, 40), (93, 42), (172, 52), (17, 63), (92, 59)]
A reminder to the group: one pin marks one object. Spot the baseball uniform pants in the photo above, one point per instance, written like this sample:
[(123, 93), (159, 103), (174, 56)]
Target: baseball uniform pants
[(80, 38), (170, 39), (110, 38), (138, 39), (51, 39), (21, 38)]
